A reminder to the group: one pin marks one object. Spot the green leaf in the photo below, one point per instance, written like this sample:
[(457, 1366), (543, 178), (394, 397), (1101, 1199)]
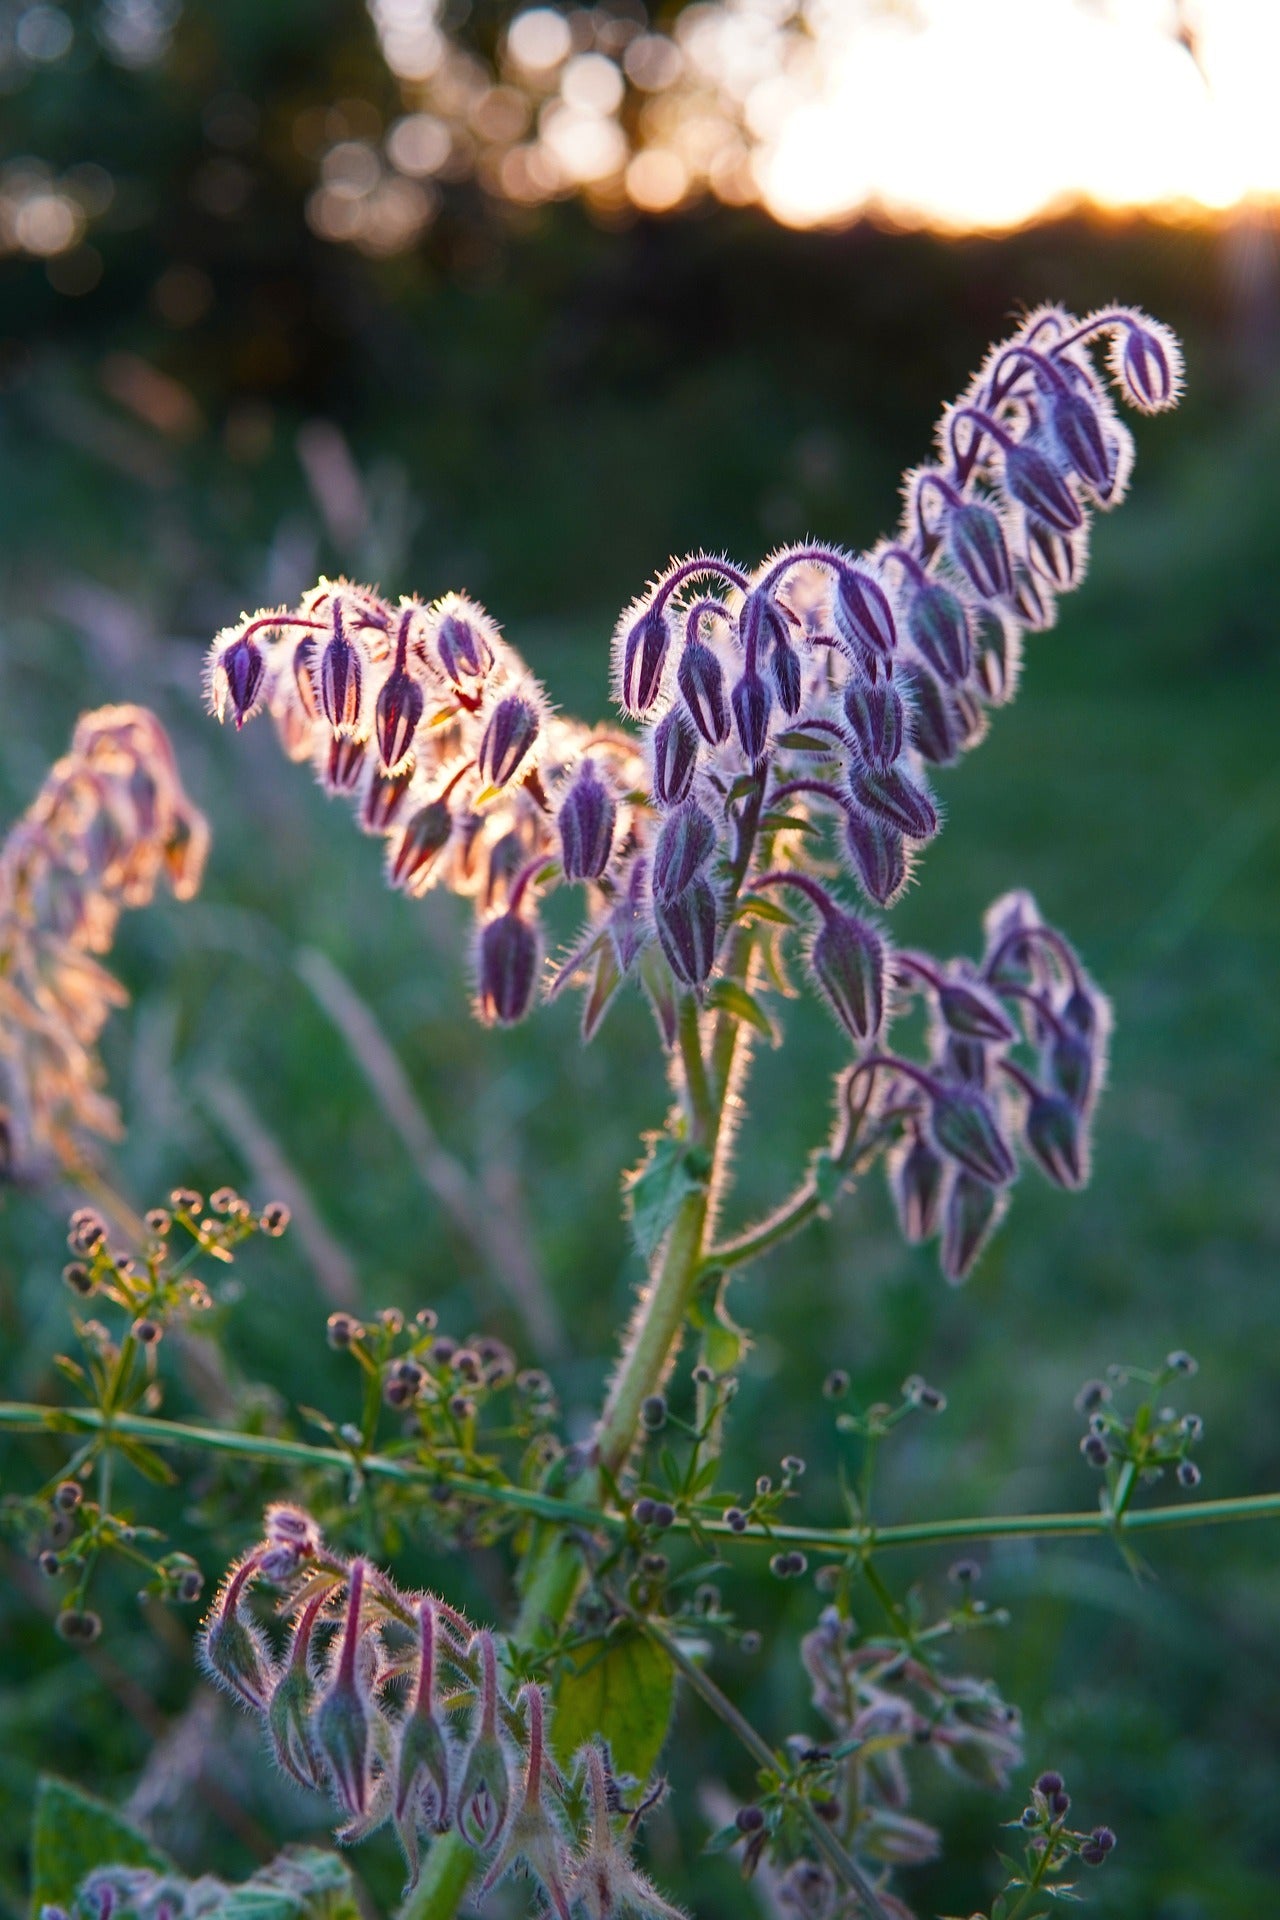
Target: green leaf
[(73, 1833), (145, 1461), (301, 1881), (796, 740), (657, 1190), (733, 999), (787, 823), (621, 1689), (756, 906), (606, 983)]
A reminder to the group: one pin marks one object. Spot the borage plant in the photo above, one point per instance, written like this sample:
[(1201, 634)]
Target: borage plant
[(789, 717)]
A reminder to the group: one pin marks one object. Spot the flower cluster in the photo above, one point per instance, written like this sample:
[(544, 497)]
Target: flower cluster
[(110, 821), (1139, 1445), (363, 1701)]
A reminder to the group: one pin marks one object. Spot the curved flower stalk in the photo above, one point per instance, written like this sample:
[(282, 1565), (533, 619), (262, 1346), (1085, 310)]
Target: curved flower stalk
[(789, 719), (110, 822), (363, 1698)]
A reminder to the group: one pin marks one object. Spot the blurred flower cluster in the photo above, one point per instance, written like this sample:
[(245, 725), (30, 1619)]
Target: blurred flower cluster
[(363, 1701), (110, 822)]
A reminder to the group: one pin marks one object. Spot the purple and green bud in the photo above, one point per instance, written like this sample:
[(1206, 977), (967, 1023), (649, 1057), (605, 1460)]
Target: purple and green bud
[(340, 688), (701, 683), (687, 932), (423, 1759), (243, 666), (396, 718), (288, 1716), (863, 616), (752, 706), (383, 799), (933, 726), (424, 839), (1079, 434), (915, 1181), (462, 649), (675, 757), (848, 962), (342, 1723), (587, 820), (975, 539), (784, 665), (939, 630), (508, 968), (685, 845), (889, 797), (1055, 1138), (1058, 558), (964, 1128), (232, 1648), (484, 1793), (878, 856), (873, 711), (1149, 367), (970, 1216), (1037, 485), (507, 740), (644, 655)]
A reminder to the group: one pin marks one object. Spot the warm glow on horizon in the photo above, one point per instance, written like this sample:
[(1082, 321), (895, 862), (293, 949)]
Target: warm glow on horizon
[(980, 114)]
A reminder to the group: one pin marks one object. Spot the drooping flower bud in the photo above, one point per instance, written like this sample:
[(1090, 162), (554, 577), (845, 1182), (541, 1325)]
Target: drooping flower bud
[(420, 845), (1079, 434), (848, 961), (588, 816), (423, 1752), (976, 542), (398, 712), (1032, 603), (485, 1790), (874, 713), (701, 683), (888, 796), (288, 1720), (533, 1835), (932, 721), (383, 798), (878, 856), (1038, 486), (964, 1128), (687, 932), (511, 732), (340, 688), (970, 1216), (1148, 365), (675, 757), (462, 649), (752, 705), (1058, 558), (685, 845), (972, 1012), (341, 1723), (915, 1181), (997, 657), (344, 763), (1055, 1137), (939, 629), (644, 647), (232, 1648), (863, 616), (243, 667), (784, 664), (508, 968)]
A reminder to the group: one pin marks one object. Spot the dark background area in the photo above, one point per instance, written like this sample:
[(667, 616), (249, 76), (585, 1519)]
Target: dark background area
[(540, 409)]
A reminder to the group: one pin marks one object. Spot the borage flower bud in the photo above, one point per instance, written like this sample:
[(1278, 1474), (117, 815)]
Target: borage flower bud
[(874, 714), (243, 666), (1033, 605), (231, 1647), (974, 1014), (288, 1720), (784, 665), (848, 961), (397, 715), (1056, 1139), (345, 763), (383, 798), (1078, 431), (340, 688), (752, 705), (977, 545), (1058, 558), (685, 845), (889, 797), (863, 616), (1038, 486), (511, 732), (701, 683), (644, 654), (485, 1789), (533, 1835), (420, 845), (878, 856), (1148, 365), (462, 649), (939, 630), (508, 968), (687, 932), (915, 1181), (970, 1217), (934, 728), (675, 757), (588, 816), (424, 1751), (964, 1128)]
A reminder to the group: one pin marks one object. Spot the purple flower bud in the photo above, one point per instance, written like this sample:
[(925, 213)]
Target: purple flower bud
[(1078, 431), (864, 618), (341, 1723), (643, 657), (752, 705), (345, 763), (878, 856), (485, 1790), (675, 757), (231, 1647), (915, 1181), (420, 845), (933, 725), (1149, 368), (397, 714), (888, 796), (1057, 558), (508, 968), (939, 630), (588, 816), (511, 732), (1055, 1138), (971, 1215), (784, 664), (1072, 1065), (422, 1763), (977, 543), (874, 714), (997, 657), (687, 931), (685, 844), (964, 1128), (384, 796), (462, 649), (1036, 483), (629, 926), (287, 1715), (1033, 606), (964, 1060), (975, 1014), (848, 961), (341, 682), (304, 676), (701, 684), (243, 665)]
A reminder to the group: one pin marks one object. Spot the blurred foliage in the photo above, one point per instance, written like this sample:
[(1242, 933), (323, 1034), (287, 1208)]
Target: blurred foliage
[(541, 411)]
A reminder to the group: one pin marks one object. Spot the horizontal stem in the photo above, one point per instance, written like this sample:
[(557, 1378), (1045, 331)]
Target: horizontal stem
[(21, 1416)]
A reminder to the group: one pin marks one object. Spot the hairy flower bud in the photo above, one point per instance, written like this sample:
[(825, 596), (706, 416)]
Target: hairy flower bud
[(1055, 1137), (975, 539), (784, 664), (423, 840), (231, 1646), (398, 712), (863, 616), (889, 797), (243, 666), (424, 1750), (1058, 558), (340, 688), (675, 757), (932, 723), (588, 816), (1148, 366), (462, 649), (915, 1181), (878, 856), (685, 845), (1078, 431), (344, 763), (342, 1722), (973, 1013), (939, 630), (874, 714), (687, 932), (970, 1216), (1038, 486), (511, 732), (288, 1714), (508, 968), (964, 1128), (701, 683), (752, 705), (848, 962), (485, 1789), (644, 654)]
